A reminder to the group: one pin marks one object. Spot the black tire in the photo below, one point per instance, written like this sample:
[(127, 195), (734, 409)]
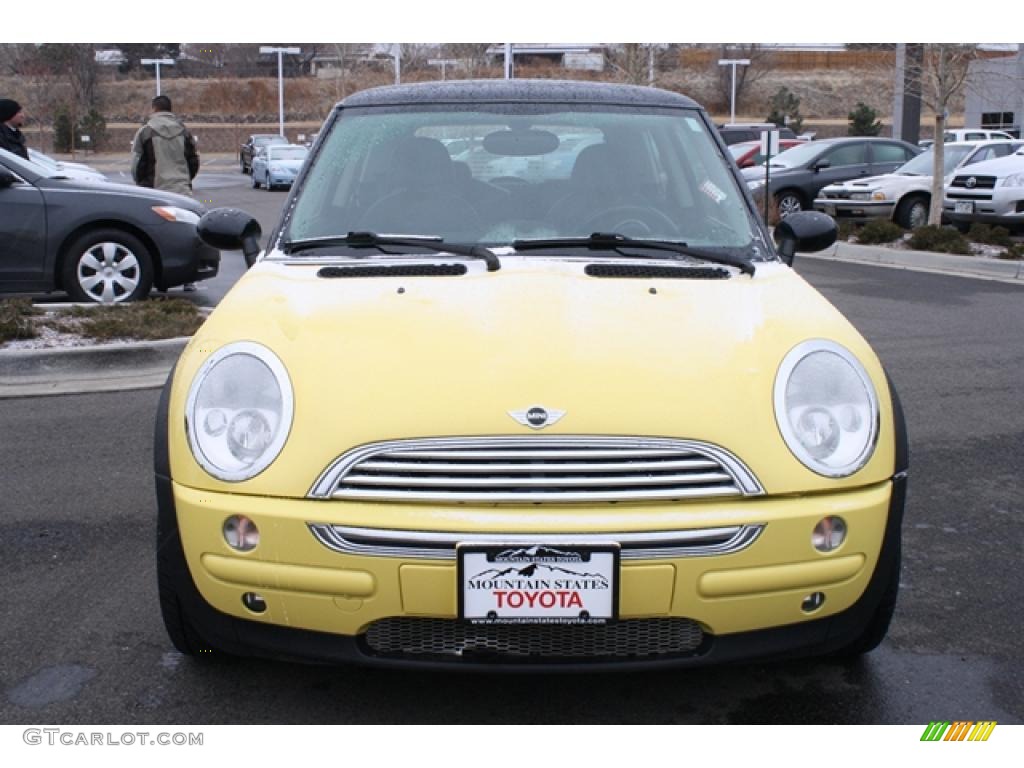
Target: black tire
[(788, 201), (878, 625), (174, 582), (107, 266), (255, 184), (912, 212)]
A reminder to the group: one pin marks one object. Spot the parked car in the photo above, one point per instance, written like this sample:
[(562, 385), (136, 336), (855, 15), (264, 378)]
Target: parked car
[(798, 174), (252, 144), (613, 429), (734, 133), (905, 194), (98, 242), (77, 171), (276, 165), (974, 134), (748, 153), (991, 192)]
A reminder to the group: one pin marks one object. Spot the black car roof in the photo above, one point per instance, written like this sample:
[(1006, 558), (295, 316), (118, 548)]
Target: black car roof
[(529, 91)]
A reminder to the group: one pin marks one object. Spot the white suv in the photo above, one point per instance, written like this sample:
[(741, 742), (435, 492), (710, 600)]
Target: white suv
[(905, 194), (974, 134), (991, 192)]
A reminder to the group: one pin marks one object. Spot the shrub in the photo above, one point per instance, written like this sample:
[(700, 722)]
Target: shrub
[(153, 319), (879, 231), (939, 239), (62, 130), (863, 121), (983, 233), (15, 319), (786, 110), (1014, 253), (847, 229)]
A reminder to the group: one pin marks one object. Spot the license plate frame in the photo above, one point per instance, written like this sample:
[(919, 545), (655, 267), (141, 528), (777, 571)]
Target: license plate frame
[(963, 206), (562, 583)]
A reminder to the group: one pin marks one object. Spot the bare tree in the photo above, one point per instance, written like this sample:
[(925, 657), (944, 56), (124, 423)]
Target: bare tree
[(633, 62), (759, 67), (942, 74), (472, 57)]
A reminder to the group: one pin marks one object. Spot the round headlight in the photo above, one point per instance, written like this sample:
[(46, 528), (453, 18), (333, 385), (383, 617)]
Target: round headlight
[(239, 411), (826, 408)]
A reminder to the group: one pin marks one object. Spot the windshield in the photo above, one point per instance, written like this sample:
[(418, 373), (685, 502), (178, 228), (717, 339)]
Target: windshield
[(799, 155), (288, 153), (922, 164), (498, 173), (738, 150)]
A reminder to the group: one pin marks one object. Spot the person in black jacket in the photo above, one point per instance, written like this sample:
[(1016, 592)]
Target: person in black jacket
[(12, 117)]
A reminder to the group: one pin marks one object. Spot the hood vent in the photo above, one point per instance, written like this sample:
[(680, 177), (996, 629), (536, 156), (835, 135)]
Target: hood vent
[(645, 271), (398, 270)]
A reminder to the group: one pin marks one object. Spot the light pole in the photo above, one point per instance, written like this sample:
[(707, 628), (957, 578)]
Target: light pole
[(156, 63), (509, 62), (280, 79), (732, 101)]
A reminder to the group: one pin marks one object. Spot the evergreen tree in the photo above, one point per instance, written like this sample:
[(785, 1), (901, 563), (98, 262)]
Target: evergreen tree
[(863, 121), (786, 110)]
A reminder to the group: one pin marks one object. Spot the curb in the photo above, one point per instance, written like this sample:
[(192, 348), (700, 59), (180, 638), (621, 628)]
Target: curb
[(977, 267), (81, 370)]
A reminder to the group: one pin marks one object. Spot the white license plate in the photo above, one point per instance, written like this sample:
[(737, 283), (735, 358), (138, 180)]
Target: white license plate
[(538, 584), (963, 207)]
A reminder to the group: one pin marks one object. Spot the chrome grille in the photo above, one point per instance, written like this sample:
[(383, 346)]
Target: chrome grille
[(450, 639), (980, 182), (535, 469)]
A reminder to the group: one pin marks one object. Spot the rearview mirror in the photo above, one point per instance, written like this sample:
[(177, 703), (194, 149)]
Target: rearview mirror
[(821, 164), (229, 229), (805, 231)]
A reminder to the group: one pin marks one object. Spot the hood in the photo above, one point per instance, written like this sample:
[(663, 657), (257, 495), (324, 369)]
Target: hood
[(156, 196), (166, 125), (373, 359)]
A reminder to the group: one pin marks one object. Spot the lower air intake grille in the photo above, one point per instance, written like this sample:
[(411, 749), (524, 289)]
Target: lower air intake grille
[(450, 639)]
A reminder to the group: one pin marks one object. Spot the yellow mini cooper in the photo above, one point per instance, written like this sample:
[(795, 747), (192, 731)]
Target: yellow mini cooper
[(521, 380)]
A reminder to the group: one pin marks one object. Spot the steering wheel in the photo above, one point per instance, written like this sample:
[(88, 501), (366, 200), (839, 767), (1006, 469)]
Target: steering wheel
[(630, 220)]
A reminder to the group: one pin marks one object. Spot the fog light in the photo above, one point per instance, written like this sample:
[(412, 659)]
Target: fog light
[(254, 602), (813, 602), (829, 534), (241, 533)]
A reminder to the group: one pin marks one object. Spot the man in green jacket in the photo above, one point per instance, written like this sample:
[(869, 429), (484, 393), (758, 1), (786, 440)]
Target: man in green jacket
[(164, 154)]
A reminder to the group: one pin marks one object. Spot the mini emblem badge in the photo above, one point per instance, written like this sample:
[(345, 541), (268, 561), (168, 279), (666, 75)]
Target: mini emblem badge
[(537, 417), (971, 183)]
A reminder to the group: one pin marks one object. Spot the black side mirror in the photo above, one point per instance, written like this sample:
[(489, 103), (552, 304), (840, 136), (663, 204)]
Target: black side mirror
[(806, 231), (229, 229), (821, 164), (7, 178)]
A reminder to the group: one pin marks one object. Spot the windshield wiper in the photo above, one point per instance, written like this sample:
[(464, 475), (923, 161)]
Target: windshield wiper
[(616, 242), (381, 242)]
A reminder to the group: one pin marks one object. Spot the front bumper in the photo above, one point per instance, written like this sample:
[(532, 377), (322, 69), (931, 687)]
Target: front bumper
[(1004, 206), (855, 209), (320, 603), (184, 258)]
